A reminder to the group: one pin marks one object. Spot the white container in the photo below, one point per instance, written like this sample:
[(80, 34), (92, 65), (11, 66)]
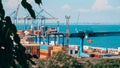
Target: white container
[(118, 49), (86, 47), (76, 48), (71, 52)]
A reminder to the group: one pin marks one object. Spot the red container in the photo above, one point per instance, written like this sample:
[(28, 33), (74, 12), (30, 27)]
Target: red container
[(37, 32), (34, 49), (97, 56)]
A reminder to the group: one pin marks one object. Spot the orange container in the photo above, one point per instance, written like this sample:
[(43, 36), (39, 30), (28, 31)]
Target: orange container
[(22, 40), (98, 50), (85, 51), (64, 48), (119, 53), (43, 57), (45, 52), (20, 32), (104, 51), (57, 48), (89, 51)]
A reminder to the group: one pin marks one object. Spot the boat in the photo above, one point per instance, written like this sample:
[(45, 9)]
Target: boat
[(89, 40)]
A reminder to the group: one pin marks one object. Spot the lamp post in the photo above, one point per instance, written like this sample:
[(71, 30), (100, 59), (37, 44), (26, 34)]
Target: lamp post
[(67, 29)]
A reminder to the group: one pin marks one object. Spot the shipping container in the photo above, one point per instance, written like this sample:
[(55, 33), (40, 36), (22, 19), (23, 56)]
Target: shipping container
[(44, 47)]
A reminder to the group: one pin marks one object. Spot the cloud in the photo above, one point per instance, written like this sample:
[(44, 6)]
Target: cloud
[(97, 6), (101, 5), (29, 1), (118, 7), (66, 7), (12, 4), (83, 10)]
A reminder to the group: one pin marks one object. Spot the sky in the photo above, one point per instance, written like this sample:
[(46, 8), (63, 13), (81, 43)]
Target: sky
[(80, 11)]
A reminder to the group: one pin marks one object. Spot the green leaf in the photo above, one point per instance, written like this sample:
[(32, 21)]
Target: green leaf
[(16, 38), (27, 6), (23, 3), (1, 25), (8, 19), (1, 6), (7, 34), (32, 13), (38, 2), (2, 13), (14, 29)]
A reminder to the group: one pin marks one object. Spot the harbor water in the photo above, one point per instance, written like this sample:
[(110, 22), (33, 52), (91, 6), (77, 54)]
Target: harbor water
[(106, 41)]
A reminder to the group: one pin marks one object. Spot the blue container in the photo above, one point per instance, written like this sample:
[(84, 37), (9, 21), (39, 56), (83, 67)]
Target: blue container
[(44, 47)]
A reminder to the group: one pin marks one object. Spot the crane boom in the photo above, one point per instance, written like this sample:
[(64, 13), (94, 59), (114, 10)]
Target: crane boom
[(95, 34)]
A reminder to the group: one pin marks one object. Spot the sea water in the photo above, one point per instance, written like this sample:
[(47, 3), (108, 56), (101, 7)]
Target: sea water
[(106, 41)]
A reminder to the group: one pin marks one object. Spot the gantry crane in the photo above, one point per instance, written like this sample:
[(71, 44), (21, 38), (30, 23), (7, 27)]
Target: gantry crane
[(41, 17), (83, 35), (14, 14)]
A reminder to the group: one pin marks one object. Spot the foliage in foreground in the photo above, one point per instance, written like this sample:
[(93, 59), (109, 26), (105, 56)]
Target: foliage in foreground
[(102, 63), (60, 60), (108, 63), (11, 50)]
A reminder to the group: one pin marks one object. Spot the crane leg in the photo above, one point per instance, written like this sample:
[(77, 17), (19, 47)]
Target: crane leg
[(81, 52)]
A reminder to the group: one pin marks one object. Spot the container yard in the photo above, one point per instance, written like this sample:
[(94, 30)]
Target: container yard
[(44, 51)]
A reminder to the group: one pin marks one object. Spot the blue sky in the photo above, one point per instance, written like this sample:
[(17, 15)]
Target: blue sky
[(81, 11)]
